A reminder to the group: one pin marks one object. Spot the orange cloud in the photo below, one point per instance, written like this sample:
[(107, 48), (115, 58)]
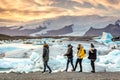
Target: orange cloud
[(44, 2), (27, 15), (106, 3), (89, 11), (21, 4), (26, 10)]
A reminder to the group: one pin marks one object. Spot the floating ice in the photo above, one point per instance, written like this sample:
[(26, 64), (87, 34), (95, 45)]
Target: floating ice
[(105, 38), (111, 61), (107, 60)]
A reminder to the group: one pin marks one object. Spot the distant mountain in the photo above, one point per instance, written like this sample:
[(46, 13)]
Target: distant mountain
[(2, 36), (81, 24), (19, 31), (63, 25), (65, 30), (114, 29)]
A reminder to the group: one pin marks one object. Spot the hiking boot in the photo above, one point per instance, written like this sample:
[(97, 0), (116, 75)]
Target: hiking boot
[(50, 71), (80, 71), (73, 70), (93, 71), (65, 71), (43, 71)]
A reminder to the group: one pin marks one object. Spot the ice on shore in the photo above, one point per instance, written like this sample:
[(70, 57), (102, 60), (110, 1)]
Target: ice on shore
[(33, 62), (111, 61)]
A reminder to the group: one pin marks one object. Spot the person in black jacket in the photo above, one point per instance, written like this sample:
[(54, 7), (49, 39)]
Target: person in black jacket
[(45, 57), (92, 56), (69, 55)]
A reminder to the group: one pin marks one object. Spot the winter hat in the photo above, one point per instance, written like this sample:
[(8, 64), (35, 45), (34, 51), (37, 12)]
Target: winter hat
[(92, 46), (45, 45), (69, 45)]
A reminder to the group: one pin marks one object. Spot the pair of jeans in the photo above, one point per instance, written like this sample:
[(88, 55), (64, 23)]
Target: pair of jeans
[(80, 64), (93, 64), (46, 65), (70, 60)]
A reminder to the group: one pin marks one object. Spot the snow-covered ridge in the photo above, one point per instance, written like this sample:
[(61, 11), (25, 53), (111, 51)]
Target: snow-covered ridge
[(114, 29), (80, 24)]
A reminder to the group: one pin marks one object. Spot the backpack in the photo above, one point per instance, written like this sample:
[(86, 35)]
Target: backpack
[(84, 51)]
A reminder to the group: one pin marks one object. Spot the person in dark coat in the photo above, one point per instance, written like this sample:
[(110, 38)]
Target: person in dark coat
[(69, 55), (92, 56), (45, 57)]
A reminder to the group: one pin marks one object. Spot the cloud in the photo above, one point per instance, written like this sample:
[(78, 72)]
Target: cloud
[(26, 10), (106, 3), (24, 3), (88, 11), (113, 2), (27, 15), (44, 2)]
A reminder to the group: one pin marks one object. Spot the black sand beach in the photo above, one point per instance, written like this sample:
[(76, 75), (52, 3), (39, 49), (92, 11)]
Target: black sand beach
[(61, 76)]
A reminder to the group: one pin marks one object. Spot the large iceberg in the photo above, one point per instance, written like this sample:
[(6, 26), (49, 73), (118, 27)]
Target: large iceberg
[(106, 39), (106, 36)]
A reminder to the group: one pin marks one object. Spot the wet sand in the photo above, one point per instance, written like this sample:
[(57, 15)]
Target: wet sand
[(61, 76)]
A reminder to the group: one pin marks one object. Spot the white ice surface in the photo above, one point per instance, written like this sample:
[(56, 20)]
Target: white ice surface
[(33, 62)]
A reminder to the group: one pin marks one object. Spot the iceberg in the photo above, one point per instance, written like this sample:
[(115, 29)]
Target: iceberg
[(106, 39), (111, 61), (106, 36)]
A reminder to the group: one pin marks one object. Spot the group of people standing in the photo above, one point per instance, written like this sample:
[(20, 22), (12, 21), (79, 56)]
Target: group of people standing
[(81, 53)]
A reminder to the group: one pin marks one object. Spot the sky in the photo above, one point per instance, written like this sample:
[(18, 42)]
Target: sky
[(28, 10)]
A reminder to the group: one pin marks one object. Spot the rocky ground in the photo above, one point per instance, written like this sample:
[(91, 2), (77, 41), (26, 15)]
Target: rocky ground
[(61, 76)]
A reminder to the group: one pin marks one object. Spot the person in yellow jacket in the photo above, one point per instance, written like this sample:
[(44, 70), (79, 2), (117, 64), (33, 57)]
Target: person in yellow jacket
[(80, 56)]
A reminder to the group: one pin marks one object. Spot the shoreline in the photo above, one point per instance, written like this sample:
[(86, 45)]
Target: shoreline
[(61, 76)]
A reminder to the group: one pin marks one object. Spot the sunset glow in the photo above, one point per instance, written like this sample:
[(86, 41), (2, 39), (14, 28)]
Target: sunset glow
[(27, 10)]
